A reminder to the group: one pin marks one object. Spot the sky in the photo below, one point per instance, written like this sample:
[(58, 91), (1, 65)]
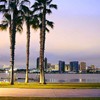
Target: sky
[(75, 37)]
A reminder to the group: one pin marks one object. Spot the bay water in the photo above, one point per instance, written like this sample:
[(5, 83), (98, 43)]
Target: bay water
[(55, 78)]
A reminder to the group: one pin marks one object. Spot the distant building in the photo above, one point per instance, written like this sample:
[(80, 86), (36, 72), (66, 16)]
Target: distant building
[(82, 67), (49, 69), (67, 67), (37, 63), (45, 64), (91, 69), (97, 70), (48, 65), (61, 66), (74, 66), (55, 67)]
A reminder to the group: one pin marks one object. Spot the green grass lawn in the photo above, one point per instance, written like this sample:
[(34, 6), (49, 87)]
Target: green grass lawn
[(52, 85), (36, 98)]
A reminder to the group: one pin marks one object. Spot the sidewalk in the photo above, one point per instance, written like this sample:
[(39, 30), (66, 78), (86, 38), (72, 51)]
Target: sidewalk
[(17, 92)]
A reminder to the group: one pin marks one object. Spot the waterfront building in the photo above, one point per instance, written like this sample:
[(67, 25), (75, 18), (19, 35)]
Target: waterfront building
[(82, 67), (74, 66), (97, 70), (45, 63), (91, 69), (55, 67), (49, 69), (61, 66), (67, 67), (37, 63), (48, 65)]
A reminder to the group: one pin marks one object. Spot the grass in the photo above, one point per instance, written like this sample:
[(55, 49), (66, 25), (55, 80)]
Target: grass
[(39, 98), (52, 85)]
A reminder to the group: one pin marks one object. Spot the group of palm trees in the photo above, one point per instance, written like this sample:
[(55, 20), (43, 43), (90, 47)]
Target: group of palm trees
[(17, 12)]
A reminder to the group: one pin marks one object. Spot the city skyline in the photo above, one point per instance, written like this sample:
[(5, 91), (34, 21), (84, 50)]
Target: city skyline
[(75, 36)]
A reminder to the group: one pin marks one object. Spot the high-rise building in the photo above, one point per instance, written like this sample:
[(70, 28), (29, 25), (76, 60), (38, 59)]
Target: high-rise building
[(37, 63), (74, 66), (45, 63), (61, 66), (82, 67)]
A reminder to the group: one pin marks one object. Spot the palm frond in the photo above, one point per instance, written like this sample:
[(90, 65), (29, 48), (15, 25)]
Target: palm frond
[(25, 9), (3, 26), (48, 2), (36, 5), (34, 22), (48, 11), (50, 23), (5, 1), (7, 16), (2, 7), (19, 28), (53, 6), (47, 30), (23, 2)]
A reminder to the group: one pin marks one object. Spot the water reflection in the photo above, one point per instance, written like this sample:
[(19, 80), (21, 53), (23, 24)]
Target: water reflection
[(74, 81), (55, 78)]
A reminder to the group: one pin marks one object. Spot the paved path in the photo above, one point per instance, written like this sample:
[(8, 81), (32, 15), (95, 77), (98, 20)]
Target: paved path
[(17, 92)]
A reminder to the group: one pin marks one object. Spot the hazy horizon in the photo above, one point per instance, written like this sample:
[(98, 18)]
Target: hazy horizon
[(75, 37)]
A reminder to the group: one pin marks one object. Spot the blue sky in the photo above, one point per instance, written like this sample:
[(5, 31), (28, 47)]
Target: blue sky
[(76, 36)]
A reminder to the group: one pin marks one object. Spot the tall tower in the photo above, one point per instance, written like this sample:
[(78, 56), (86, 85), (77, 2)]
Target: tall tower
[(45, 63), (61, 66), (37, 63)]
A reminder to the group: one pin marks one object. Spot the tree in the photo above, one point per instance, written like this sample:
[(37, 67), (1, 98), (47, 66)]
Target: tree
[(26, 17), (12, 18), (44, 6), (31, 20)]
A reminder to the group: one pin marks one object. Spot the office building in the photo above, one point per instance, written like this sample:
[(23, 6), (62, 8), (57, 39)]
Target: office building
[(74, 66), (61, 66), (91, 69), (82, 67), (45, 64), (55, 67), (37, 63)]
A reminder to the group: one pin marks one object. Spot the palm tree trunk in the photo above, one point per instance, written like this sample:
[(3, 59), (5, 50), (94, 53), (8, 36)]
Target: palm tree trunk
[(42, 76), (12, 47), (27, 52), (42, 45)]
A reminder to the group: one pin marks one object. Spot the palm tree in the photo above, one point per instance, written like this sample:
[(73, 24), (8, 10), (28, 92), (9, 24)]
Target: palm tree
[(26, 17), (13, 19), (44, 6), (31, 20)]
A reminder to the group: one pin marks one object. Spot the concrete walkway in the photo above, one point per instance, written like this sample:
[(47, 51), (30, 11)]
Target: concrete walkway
[(17, 92)]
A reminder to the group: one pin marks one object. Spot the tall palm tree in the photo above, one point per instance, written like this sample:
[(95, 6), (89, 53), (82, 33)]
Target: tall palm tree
[(10, 8), (44, 6), (26, 17), (31, 20)]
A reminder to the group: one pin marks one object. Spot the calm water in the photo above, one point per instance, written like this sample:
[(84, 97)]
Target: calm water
[(78, 78)]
